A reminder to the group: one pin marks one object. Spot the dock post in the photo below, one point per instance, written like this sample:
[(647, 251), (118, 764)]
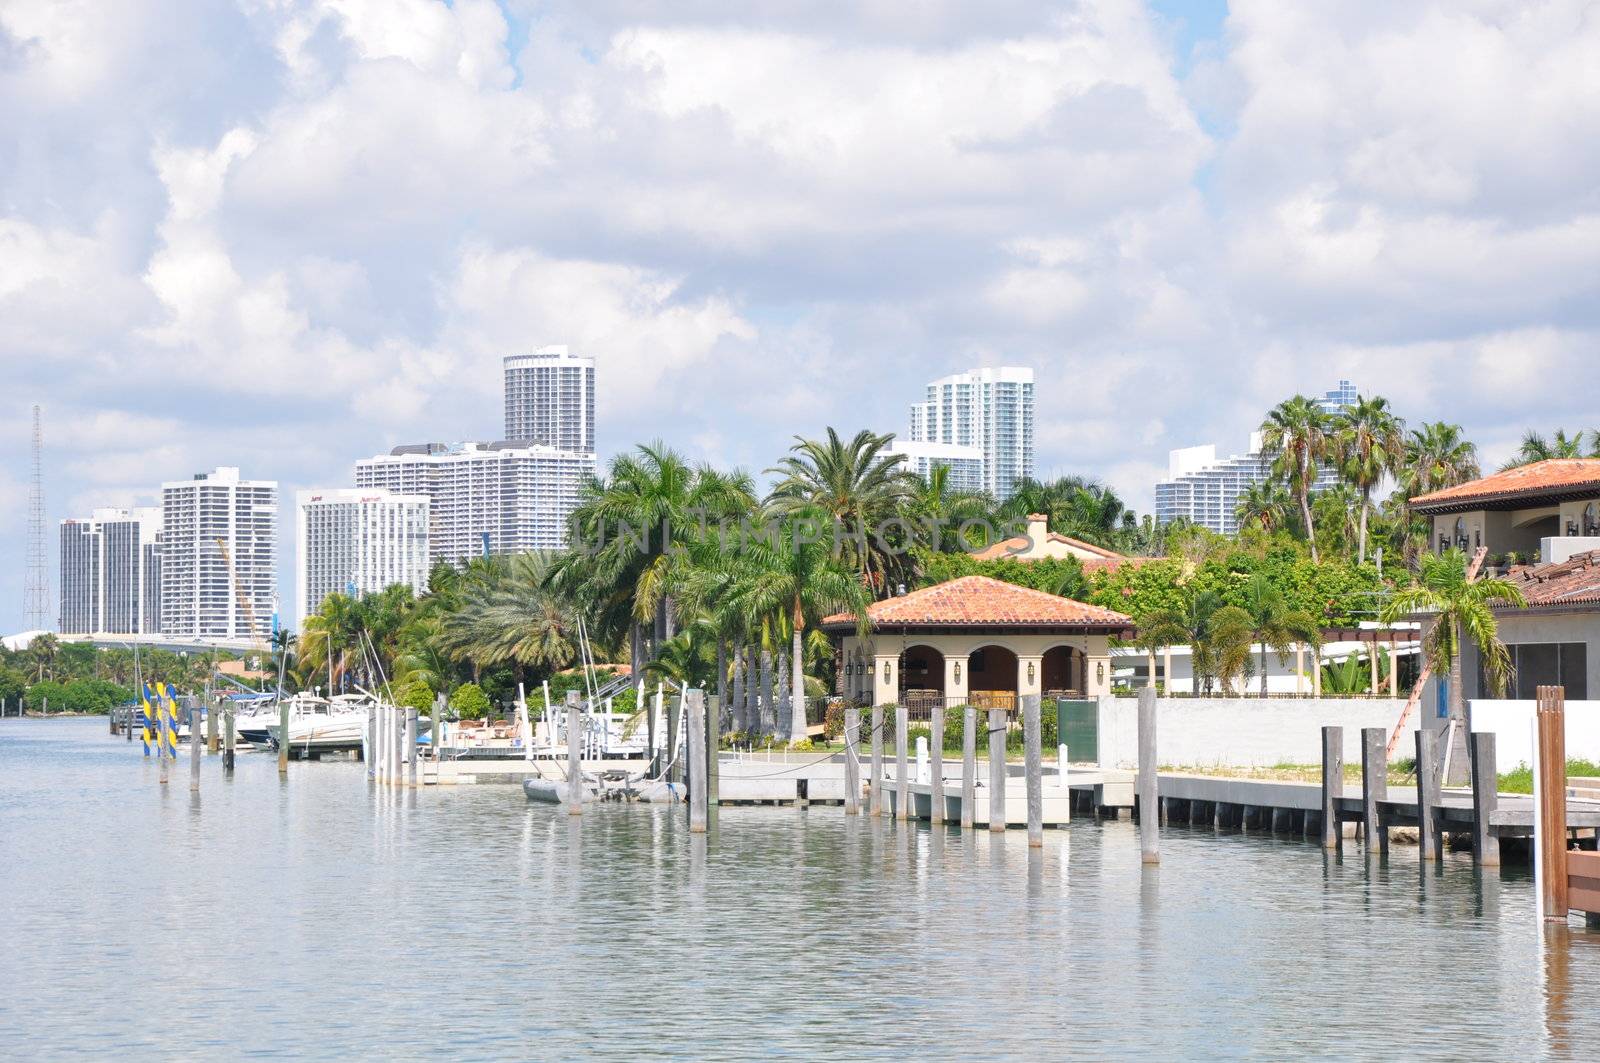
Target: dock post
[(194, 749), (211, 722), (694, 717), (675, 771), (1550, 807), (713, 743), (1428, 796), (1485, 799), (161, 742), (902, 777), (1033, 767), (852, 760), (436, 726), (283, 738), (969, 763), (936, 765), (369, 741), (227, 740), (1332, 785), (1149, 799), (574, 761), (411, 747), (875, 782), (1374, 788), (997, 770)]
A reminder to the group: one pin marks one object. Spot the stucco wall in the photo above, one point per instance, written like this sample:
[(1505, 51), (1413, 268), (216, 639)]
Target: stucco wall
[(1512, 724), (1533, 626), (1241, 732)]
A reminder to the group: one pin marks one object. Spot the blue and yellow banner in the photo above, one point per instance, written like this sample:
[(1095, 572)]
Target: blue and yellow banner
[(146, 723)]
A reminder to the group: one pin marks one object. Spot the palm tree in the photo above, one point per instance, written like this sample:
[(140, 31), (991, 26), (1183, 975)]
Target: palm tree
[(859, 486), (1462, 608), (1188, 624), (1274, 624), (1226, 647), (944, 511), (1535, 447), (1296, 435), (328, 637), (1370, 441), (1438, 456), (1263, 504)]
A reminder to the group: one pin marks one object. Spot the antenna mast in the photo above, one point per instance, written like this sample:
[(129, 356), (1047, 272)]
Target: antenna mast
[(36, 596)]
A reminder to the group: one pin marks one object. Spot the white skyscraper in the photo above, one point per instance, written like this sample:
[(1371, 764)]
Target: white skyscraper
[(199, 596), (498, 498), (549, 398), (989, 411), (111, 573), (359, 540), (1204, 490)]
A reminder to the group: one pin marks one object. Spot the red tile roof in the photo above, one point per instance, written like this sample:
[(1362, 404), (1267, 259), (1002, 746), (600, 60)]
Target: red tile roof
[(978, 601), (1017, 544), (1570, 582), (1555, 476)]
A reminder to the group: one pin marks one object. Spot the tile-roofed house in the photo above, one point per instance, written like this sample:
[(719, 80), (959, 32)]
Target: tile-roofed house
[(1554, 477), (1039, 542), (976, 640), (1546, 510), (1574, 581)]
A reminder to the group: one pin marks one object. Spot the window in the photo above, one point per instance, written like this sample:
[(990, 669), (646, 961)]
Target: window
[(1591, 520), (1537, 664)]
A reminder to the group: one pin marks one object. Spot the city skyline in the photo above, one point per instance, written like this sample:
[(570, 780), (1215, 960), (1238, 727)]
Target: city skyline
[(1177, 214)]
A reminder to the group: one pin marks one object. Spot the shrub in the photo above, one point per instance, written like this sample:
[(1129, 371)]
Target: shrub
[(470, 702), (415, 694), (833, 719)]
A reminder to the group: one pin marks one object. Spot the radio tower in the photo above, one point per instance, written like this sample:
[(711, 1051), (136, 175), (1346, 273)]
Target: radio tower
[(36, 603)]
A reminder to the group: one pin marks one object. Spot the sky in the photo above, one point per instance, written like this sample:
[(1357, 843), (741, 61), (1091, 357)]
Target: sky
[(288, 234)]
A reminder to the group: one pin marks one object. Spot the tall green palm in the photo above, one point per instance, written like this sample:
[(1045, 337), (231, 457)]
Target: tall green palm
[(1274, 624), (1297, 435), (795, 582), (1370, 441), (945, 511), (1438, 455), (1462, 609), (330, 637), (1263, 504), (1187, 624), (859, 486), (1535, 447)]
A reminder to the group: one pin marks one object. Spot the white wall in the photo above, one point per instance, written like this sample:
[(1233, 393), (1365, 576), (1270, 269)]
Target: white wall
[(1242, 732), (1512, 724)]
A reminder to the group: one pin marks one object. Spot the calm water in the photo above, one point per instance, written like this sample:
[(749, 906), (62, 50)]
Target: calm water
[(318, 917)]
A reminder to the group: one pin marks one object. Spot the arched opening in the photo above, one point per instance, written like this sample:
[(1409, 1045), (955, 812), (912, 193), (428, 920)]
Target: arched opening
[(921, 676), (1591, 519), (1063, 672), (992, 678), (1460, 537)]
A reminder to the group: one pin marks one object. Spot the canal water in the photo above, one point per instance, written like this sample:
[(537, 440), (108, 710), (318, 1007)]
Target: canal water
[(318, 917)]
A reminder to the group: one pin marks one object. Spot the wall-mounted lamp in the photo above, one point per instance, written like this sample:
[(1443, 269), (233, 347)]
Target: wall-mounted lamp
[(958, 671), (849, 668), (888, 671), (1099, 671), (872, 669), (1030, 673)]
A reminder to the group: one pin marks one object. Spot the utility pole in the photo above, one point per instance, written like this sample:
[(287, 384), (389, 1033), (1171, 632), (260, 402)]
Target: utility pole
[(36, 596)]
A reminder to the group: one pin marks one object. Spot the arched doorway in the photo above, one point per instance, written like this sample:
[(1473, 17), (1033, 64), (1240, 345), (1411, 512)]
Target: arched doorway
[(1063, 672), (992, 678), (921, 676)]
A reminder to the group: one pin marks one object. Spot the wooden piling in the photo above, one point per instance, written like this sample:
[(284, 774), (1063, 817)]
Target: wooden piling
[(1485, 799), (194, 749), (227, 740), (902, 778), (1374, 787), (1428, 795), (283, 738), (574, 760), (411, 747), (875, 783), (1033, 769), (694, 702), (997, 770), (1550, 840), (713, 743), (969, 764), (1149, 814), (675, 773), (211, 722), (369, 745), (936, 765), (1332, 785), (852, 760)]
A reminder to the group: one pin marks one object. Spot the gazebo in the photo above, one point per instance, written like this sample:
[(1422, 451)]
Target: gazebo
[(977, 641)]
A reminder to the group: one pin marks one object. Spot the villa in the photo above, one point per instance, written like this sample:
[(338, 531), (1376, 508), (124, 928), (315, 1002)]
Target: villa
[(976, 640), (1040, 543)]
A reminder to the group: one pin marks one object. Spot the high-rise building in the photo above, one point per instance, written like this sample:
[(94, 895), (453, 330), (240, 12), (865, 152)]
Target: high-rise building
[(1204, 490), (966, 464), (111, 572), (550, 399), (496, 498), (359, 541), (200, 596), (988, 410)]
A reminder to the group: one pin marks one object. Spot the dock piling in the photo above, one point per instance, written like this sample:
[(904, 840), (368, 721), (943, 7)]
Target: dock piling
[(902, 777), (713, 744), (1374, 787), (1149, 800), (574, 762), (936, 766), (852, 760), (283, 738), (997, 770), (969, 763), (1428, 795), (1554, 887), (211, 722), (875, 782), (411, 747), (227, 740), (1485, 798), (194, 749), (694, 718), (1033, 767), (1332, 785)]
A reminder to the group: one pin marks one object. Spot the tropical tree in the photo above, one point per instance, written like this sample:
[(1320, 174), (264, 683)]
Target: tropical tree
[(945, 512), (861, 487), (1535, 447), (1370, 442), (1296, 435), (1462, 609), (1264, 504), (1186, 624), (1274, 624)]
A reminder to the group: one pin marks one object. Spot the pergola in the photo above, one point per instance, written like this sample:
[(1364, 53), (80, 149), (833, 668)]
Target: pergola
[(976, 640)]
